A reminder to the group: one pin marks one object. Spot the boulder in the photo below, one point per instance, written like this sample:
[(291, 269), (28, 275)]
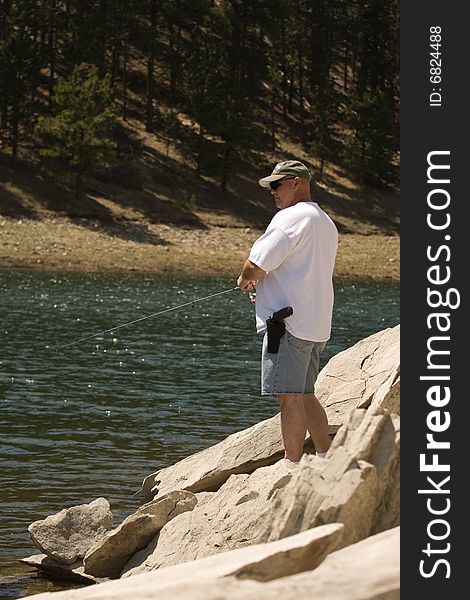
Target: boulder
[(366, 373), (357, 485), (388, 394), (207, 470), (238, 514), (262, 562), (110, 554), (354, 377), (367, 570), (60, 570), (70, 533)]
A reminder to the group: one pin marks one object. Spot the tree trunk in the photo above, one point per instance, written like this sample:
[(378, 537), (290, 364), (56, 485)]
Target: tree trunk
[(226, 167), (15, 124), (150, 71), (78, 184), (4, 117), (273, 121), (114, 63), (174, 63), (124, 82), (150, 94), (301, 100), (51, 51), (103, 17), (200, 147), (284, 75), (291, 91)]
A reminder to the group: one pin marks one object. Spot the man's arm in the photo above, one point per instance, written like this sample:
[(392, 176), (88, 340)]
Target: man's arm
[(249, 276)]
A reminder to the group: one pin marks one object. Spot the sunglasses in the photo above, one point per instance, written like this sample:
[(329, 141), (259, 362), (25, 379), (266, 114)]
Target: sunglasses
[(275, 184)]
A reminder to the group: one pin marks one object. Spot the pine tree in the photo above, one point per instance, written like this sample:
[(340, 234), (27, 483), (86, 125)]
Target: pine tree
[(371, 149), (79, 133), (324, 143), (20, 63)]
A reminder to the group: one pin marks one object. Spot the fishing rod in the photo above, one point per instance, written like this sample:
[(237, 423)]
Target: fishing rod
[(161, 312)]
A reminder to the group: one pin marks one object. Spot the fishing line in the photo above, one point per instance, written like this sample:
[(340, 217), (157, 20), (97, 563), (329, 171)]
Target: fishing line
[(161, 312)]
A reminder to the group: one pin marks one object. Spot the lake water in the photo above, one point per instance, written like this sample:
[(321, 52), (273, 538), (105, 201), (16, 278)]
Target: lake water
[(95, 418)]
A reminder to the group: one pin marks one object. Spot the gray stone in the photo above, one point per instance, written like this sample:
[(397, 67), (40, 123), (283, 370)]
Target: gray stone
[(262, 562), (357, 485), (239, 514), (110, 554), (67, 535), (388, 394), (60, 570), (352, 378), (368, 570)]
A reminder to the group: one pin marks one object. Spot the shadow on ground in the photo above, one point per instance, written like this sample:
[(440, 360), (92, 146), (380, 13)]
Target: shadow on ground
[(127, 198)]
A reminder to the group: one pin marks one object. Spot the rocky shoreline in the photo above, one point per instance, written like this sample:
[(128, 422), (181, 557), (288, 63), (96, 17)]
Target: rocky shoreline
[(235, 520)]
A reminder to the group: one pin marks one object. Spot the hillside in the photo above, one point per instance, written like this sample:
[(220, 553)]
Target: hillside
[(206, 101), (158, 186), (169, 219)]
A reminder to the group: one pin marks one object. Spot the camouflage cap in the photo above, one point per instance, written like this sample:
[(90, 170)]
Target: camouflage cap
[(286, 168)]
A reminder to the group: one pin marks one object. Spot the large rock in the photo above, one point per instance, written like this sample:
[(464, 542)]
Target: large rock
[(358, 485), (368, 570), (110, 554), (262, 562), (354, 377), (69, 534), (366, 373), (60, 570), (238, 514), (207, 470), (388, 394)]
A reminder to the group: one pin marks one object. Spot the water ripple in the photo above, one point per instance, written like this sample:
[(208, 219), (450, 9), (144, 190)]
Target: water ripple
[(94, 419)]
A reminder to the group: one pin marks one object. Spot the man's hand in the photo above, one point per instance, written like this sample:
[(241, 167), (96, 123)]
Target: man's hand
[(246, 285), (250, 274)]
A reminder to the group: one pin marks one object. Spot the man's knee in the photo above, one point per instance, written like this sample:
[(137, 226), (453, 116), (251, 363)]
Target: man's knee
[(310, 399), (288, 400)]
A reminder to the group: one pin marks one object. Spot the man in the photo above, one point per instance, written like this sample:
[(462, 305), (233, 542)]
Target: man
[(292, 264)]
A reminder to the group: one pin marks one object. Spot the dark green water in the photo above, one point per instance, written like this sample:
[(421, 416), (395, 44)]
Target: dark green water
[(94, 419)]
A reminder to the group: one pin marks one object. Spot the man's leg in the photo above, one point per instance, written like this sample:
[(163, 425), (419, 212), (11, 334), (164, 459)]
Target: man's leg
[(293, 425), (317, 422)]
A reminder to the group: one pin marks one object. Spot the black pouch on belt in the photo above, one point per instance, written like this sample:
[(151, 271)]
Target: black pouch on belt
[(277, 328)]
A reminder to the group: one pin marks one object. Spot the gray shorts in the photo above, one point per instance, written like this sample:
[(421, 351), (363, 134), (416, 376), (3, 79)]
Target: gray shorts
[(293, 370)]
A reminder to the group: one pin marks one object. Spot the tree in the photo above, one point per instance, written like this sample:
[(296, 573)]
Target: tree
[(323, 143), (20, 64), (240, 78), (372, 145), (79, 132), (222, 79), (371, 150)]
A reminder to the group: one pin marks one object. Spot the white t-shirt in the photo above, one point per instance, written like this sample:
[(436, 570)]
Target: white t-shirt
[(298, 252)]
